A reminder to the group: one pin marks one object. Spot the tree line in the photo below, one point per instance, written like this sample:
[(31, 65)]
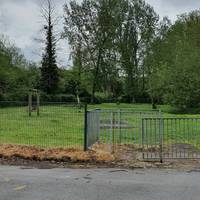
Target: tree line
[(121, 52)]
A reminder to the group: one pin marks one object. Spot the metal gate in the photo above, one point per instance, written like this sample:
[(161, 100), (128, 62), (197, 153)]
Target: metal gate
[(116, 126), (171, 138), (92, 127)]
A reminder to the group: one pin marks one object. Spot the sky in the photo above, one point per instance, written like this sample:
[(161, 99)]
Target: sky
[(21, 21)]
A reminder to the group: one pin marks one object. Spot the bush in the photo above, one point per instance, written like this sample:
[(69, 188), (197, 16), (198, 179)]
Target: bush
[(15, 96), (138, 99), (104, 98), (57, 98)]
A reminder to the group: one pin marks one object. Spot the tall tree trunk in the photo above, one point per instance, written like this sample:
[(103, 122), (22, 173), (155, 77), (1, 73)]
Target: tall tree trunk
[(135, 61), (143, 79), (79, 54), (153, 102), (96, 76)]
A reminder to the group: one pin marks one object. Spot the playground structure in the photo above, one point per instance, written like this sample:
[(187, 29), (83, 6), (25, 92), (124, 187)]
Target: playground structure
[(33, 105)]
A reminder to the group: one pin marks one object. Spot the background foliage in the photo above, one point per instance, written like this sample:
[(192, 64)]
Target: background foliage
[(121, 52)]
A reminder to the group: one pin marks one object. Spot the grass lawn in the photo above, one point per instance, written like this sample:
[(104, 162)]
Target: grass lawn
[(174, 131), (63, 126), (57, 126)]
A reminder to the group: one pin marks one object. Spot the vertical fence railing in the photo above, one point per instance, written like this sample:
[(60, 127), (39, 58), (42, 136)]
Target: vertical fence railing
[(161, 131), (171, 138), (116, 127), (85, 128), (59, 125)]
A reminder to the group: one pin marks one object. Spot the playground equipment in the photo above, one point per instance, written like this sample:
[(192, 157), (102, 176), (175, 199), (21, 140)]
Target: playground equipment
[(33, 105)]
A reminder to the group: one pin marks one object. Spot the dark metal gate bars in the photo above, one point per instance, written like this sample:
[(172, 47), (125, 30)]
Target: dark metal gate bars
[(171, 138)]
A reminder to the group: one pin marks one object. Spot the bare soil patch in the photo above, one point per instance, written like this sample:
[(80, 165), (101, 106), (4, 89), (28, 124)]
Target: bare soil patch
[(57, 154), (120, 156)]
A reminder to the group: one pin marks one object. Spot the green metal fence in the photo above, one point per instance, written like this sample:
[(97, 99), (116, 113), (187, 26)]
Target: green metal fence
[(57, 125), (116, 126), (171, 138)]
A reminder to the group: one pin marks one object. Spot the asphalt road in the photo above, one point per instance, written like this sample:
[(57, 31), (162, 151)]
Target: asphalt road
[(97, 184)]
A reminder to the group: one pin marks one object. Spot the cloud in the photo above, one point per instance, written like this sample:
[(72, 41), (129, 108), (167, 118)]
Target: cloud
[(21, 21), (172, 8), (182, 3)]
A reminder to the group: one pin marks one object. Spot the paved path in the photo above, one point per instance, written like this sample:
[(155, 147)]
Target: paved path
[(97, 184)]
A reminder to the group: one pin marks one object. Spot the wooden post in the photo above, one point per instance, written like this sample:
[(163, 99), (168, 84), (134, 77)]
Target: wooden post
[(30, 103), (38, 104)]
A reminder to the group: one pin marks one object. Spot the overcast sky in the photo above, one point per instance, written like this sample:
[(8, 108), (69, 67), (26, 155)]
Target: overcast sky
[(20, 20)]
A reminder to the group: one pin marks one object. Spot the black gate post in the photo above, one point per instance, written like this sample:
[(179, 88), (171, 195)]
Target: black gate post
[(85, 128), (161, 132), (143, 149)]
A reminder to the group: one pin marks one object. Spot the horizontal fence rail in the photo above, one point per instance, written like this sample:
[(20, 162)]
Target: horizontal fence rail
[(57, 125), (171, 138)]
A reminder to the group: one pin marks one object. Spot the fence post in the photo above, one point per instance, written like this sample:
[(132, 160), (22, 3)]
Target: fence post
[(38, 104), (160, 114), (119, 125), (161, 139), (29, 103), (98, 124), (113, 132), (85, 128), (143, 139)]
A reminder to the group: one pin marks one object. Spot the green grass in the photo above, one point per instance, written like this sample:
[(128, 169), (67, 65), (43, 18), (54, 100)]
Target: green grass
[(174, 131), (121, 106), (57, 126), (63, 126)]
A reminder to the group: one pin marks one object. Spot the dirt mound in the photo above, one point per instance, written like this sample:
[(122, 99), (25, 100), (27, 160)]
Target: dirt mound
[(101, 155), (57, 154), (127, 156)]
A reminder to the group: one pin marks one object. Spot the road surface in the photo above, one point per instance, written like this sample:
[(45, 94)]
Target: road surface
[(18, 183)]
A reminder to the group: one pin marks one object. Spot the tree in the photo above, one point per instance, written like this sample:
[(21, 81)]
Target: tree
[(154, 61), (17, 75), (90, 23), (77, 71), (49, 70), (114, 36), (183, 70), (136, 29), (176, 71)]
